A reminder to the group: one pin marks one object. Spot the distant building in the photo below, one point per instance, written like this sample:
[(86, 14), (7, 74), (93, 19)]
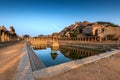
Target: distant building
[(6, 35)]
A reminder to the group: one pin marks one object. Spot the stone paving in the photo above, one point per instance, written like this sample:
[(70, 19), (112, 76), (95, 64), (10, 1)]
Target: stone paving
[(35, 62), (14, 55), (104, 69), (24, 69), (9, 61), (65, 67)]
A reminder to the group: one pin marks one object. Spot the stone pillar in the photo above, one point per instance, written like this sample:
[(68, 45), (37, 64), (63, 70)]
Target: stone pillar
[(91, 39), (95, 39), (3, 36), (0, 39), (100, 39), (78, 39), (11, 37), (0, 35), (106, 38), (7, 36), (84, 39), (87, 39)]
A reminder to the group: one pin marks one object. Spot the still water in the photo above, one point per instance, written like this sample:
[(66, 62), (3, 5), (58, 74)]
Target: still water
[(51, 56)]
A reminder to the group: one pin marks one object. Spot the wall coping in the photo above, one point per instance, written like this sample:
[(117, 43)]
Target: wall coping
[(64, 67), (24, 71)]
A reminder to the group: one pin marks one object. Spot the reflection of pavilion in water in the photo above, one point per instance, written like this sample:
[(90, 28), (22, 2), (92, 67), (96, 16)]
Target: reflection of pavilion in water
[(54, 55), (70, 52), (43, 46), (39, 47), (54, 52), (77, 53)]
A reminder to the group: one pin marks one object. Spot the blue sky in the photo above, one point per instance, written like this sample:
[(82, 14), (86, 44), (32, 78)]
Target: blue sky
[(36, 17)]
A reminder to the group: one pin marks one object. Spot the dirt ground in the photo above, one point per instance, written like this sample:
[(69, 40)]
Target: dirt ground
[(105, 69), (9, 61)]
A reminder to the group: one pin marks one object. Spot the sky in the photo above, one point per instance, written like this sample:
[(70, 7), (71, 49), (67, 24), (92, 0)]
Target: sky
[(36, 17)]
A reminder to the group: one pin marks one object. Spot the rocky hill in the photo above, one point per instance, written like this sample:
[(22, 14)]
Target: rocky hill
[(85, 28)]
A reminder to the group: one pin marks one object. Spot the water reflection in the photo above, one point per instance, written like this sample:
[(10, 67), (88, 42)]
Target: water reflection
[(55, 48), (78, 53), (39, 47), (54, 52), (54, 55), (57, 55)]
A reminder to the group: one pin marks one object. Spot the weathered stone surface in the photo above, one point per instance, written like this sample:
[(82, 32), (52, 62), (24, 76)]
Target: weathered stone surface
[(9, 60), (24, 69), (35, 62), (51, 71), (6, 35)]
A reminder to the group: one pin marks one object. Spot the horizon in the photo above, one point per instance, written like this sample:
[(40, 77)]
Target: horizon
[(35, 17)]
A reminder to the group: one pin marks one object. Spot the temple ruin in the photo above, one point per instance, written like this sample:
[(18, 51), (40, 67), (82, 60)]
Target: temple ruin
[(6, 36)]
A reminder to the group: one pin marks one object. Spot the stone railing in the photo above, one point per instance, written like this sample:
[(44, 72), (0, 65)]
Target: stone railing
[(82, 39)]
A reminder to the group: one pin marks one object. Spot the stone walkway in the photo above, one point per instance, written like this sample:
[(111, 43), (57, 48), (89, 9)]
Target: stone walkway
[(9, 61), (35, 62), (104, 69), (24, 71)]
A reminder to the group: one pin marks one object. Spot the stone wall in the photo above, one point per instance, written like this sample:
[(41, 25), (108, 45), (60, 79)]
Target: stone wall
[(35, 62), (65, 67)]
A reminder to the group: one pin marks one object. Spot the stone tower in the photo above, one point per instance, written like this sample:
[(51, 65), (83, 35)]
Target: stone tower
[(3, 28), (12, 30)]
